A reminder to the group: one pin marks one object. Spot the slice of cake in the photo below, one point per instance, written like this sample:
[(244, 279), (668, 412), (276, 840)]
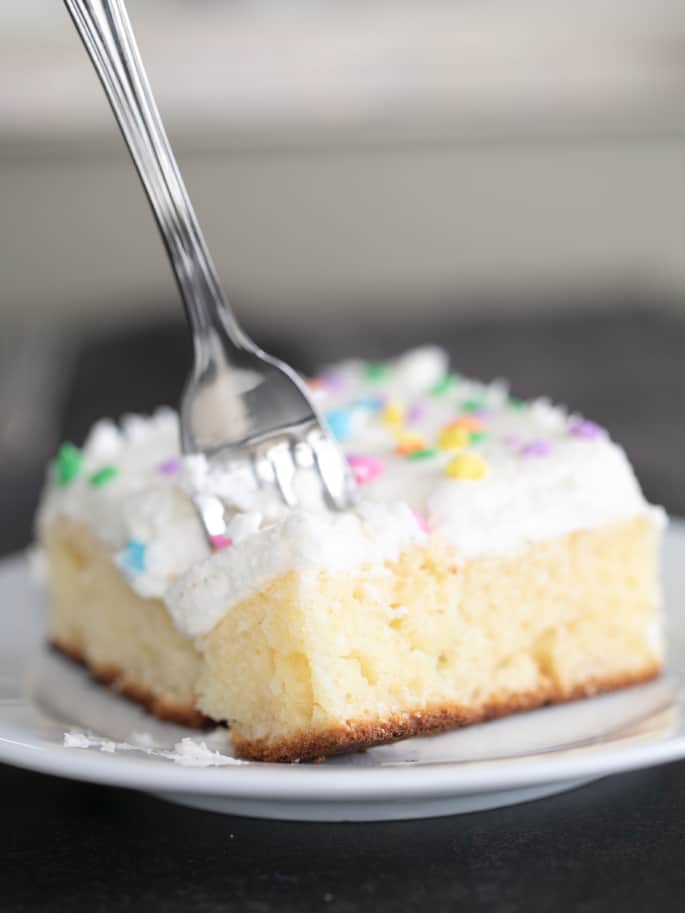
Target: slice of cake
[(501, 557)]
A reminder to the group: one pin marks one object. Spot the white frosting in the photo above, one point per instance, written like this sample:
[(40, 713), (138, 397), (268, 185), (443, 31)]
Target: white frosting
[(141, 503), (571, 482)]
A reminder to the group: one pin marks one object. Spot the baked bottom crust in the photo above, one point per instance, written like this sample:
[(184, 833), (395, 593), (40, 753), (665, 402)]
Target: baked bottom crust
[(163, 708), (433, 720), (353, 736)]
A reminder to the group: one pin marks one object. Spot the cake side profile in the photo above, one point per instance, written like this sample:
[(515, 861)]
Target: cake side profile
[(127, 641), (327, 664), (501, 557)]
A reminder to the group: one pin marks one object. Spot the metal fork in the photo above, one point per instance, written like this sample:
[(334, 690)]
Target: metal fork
[(240, 407)]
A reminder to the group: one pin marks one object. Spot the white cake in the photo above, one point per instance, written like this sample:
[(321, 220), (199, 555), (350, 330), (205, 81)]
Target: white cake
[(501, 556)]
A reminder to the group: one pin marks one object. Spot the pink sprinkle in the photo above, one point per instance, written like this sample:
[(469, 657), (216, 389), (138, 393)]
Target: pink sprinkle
[(416, 413), (170, 467), (586, 429), (365, 468), (220, 541), (536, 449), (421, 521)]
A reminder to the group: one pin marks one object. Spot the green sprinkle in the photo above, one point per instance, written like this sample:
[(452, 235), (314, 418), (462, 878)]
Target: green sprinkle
[(67, 464), (473, 405), (477, 437), (375, 372), (423, 454), (517, 404), (444, 385), (103, 476)]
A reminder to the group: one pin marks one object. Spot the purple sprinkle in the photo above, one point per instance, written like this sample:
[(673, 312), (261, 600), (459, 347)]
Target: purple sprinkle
[(586, 429), (536, 449), (170, 467), (416, 413), (334, 381), (512, 440)]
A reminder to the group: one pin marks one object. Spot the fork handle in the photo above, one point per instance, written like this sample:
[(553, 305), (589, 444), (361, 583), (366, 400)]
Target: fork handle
[(106, 32)]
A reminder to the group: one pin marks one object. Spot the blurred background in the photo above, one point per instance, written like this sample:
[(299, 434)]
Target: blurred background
[(507, 178)]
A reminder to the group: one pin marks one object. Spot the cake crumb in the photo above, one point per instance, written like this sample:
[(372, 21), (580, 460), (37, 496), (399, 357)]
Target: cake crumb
[(187, 752), (142, 740), (76, 740)]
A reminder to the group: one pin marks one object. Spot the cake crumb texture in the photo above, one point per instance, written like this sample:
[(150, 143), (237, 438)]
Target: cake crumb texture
[(322, 663), (125, 640), (356, 736)]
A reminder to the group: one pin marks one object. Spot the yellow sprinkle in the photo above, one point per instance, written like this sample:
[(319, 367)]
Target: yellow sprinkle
[(393, 414), (409, 442), (467, 466), (452, 438)]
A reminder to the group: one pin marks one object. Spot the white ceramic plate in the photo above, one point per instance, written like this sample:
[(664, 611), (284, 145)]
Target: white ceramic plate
[(523, 757)]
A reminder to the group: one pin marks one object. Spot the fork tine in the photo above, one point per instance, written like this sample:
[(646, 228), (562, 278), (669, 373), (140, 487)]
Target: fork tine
[(280, 456), (333, 471), (212, 514), (262, 469)]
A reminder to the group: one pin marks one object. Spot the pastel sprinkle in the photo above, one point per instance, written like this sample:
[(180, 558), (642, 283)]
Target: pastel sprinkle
[(393, 414), (474, 405), (103, 476), (423, 454), (375, 372), (68, 464), (170, 467), (470, 466), (334, 381), (416, 412), (421, 521), (340, 423), (369, 403), (409, 442), (219, 542), (587, 430), (365, 468), (467, 422), (453, 438), (517, 404), (133, 556), (536, 449), (512, 440), (444, 385), (478, 437)]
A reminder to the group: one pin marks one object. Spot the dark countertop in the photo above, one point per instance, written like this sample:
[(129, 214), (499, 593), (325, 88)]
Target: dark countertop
[(615, 845)]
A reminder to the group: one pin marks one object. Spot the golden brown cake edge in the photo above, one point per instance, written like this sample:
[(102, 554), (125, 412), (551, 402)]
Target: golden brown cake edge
[(109, 675), (362, 734)]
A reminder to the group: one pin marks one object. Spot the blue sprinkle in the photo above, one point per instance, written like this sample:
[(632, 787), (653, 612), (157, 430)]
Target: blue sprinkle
[(371, 403), (133, 556), (340, 422)]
